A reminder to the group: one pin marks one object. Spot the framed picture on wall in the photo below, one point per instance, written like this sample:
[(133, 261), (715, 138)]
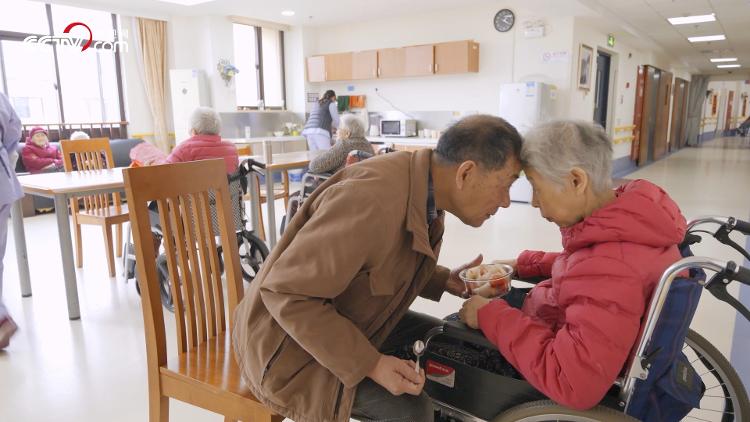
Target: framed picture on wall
[(585, 64)]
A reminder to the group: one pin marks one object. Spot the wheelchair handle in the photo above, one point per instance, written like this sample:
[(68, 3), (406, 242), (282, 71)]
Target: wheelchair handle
[(716, 219), (639, 366), (739, 225)]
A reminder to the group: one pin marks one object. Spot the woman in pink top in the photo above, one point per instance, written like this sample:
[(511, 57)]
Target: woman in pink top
[(574, 332), (205, 142)]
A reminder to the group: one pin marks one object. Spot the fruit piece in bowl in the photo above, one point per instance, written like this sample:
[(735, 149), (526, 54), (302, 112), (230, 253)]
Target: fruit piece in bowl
[(488, 279)]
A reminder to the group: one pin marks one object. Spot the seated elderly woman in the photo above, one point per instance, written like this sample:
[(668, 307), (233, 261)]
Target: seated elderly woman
[(205, 141), (573, 333), (350, 137)]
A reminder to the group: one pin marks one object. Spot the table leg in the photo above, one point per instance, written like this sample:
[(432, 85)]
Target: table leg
[(19, 236), (271, 210), (66, 252)]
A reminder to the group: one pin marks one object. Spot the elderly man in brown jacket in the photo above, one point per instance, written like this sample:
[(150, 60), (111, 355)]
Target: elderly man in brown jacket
[(337, 288)]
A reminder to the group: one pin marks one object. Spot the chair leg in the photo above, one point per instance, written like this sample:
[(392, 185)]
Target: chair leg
[(107, 232), (261, 229), (285, 180), (118, 240), (79, 244), (158, 408)]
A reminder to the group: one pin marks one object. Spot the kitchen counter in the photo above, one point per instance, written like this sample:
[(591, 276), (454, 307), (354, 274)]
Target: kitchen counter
[(426, 142), (260, 139)]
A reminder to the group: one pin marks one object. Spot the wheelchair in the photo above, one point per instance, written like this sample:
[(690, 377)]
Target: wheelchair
[(252, 250), (465, 385)]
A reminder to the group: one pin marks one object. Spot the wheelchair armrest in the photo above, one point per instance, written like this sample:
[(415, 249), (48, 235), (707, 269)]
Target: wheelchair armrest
[(461, 331), (531, 280)]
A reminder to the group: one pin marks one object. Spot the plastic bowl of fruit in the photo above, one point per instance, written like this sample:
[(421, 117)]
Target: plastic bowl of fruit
[(485, 276)]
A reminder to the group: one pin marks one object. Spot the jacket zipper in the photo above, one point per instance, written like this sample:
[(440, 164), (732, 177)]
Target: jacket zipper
[(273, 359)]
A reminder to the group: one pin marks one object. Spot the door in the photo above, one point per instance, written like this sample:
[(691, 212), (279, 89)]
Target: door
[(647, 128), (730, 112), (456, 57), (391, 63), (316, 69), (338, 67), (661, 139), (677, 134), (365, 65), (601, 93), (419, 60)]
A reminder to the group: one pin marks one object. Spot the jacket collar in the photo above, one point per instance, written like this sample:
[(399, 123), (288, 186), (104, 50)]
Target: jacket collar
[(416, 210), (208, 138)]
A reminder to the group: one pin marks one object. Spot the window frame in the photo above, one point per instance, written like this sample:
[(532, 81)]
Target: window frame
[(20, 36), (259, 69)]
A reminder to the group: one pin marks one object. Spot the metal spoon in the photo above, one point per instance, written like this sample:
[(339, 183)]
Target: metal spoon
[(418, 351)]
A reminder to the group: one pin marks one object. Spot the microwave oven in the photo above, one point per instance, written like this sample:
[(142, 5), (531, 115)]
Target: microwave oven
[(398, 127)]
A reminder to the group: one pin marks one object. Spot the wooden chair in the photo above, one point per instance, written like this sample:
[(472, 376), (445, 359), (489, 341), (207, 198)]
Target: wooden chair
[(204, 373), (105, 210)]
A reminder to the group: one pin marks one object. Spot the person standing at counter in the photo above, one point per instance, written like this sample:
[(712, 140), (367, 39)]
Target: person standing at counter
[(323, 119)]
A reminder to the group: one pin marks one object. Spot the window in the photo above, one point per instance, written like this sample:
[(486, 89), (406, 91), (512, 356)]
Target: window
[(58, 83), (261, 76)]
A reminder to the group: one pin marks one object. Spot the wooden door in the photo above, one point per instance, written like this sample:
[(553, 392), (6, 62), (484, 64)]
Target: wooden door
[(419, 60), (456, 57), (365, 64), (391, 63), (730, 112), (316, 69), (677, 133), (662, 115), (640, 89), (649, 104), (339, 67)]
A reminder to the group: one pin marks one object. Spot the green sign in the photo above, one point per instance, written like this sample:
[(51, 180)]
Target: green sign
[(611, 40)]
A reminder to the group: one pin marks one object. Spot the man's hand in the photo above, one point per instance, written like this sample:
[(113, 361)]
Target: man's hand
[(397, 376), (455, 285), (469, 310)]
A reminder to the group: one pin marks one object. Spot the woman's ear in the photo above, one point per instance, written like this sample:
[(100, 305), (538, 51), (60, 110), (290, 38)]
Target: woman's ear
[(464, 172), (580, 179)]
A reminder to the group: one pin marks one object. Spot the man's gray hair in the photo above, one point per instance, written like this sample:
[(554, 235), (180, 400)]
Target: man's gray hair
[(353, 124), (554, 148), (205, 121)]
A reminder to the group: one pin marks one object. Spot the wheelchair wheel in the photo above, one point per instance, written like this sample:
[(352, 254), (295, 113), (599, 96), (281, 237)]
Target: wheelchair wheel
[(725, 398), (547, 410), (253, 252), (164, 284)]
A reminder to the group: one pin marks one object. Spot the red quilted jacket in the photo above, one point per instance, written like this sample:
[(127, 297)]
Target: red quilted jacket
[(575, 331), (204, 147)]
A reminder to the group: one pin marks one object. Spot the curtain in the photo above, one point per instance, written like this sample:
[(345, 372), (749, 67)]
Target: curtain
[(696, 98), (152, 44)]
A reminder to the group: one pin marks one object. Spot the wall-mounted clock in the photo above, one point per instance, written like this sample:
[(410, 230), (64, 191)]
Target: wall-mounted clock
[(504, 20)]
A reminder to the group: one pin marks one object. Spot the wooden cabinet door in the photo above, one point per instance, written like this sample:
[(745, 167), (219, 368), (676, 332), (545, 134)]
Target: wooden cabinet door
[(456, 57), (391, 63), (662, 115), (365, 64), (419, 60), (316, 69), (338, 67)]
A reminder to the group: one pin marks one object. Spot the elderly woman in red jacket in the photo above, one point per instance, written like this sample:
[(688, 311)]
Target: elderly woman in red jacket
[(572, 335), (38, 155)]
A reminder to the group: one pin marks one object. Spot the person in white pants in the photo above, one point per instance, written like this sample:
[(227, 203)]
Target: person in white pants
[(10, 192), (323, 119)]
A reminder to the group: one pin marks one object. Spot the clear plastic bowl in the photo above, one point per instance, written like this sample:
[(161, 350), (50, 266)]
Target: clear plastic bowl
[(498, 276)]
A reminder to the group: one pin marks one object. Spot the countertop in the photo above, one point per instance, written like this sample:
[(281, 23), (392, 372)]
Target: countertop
[(259, 139), (403, 141)]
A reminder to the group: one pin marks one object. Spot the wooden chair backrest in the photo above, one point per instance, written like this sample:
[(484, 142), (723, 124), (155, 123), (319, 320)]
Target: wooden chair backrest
[(90, 154), (182, 194)]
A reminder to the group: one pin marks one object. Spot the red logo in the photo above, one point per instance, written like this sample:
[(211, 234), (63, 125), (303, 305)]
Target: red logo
[(74, 24), (434, 368)]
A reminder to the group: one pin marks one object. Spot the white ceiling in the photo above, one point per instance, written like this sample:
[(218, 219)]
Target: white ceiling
[(648, 19), (642, 22)]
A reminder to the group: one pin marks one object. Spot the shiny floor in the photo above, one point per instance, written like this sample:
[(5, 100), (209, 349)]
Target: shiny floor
[(94, 369)]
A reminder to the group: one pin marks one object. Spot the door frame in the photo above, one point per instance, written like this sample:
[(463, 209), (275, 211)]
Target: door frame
[(614, 62)]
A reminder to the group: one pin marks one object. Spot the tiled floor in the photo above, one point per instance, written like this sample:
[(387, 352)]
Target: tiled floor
[(94, 369)]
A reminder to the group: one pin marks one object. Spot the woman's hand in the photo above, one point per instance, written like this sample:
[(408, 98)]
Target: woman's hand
[(470, 309), (455, 285), (512, 262)]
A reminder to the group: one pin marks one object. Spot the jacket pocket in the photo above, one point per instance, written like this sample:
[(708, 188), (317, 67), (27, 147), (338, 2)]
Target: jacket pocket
[(273, 359)]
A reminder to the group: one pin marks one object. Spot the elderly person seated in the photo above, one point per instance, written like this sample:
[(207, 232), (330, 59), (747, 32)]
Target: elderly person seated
[(350, 137), (574, 332), (205, 141)]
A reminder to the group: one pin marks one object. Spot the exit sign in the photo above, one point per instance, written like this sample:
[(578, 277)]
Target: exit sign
[(611, 40)]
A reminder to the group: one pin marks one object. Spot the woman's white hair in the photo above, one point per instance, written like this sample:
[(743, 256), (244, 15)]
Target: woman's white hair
[(554, 148), (351, 126), (79, 135), (205, 121)]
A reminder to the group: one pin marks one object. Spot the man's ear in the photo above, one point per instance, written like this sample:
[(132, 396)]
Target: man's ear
[(464, 172), (580, 180)]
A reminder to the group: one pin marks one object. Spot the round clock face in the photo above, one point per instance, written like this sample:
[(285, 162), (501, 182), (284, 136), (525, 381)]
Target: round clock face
[(504, 20)]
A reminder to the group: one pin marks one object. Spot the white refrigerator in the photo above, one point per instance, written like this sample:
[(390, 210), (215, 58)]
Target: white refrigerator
[(524, 105), (189, 91)]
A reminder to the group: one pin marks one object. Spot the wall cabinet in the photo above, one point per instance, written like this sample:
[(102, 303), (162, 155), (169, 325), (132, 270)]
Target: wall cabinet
[(419, 60)]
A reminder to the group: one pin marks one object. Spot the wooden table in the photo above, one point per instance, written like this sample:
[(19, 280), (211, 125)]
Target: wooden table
[(61, 187), (279, 162)]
